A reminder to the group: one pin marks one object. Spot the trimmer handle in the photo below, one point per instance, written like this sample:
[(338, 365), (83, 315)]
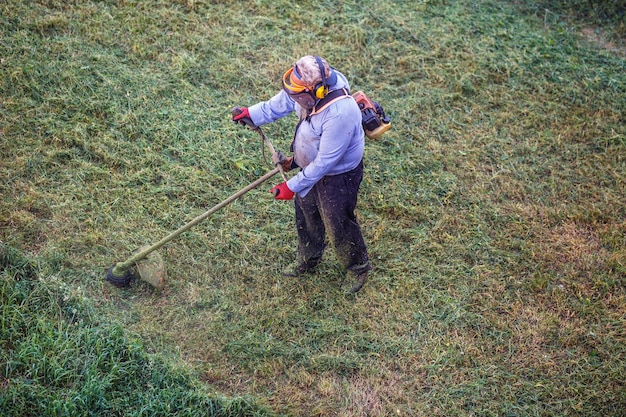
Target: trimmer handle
[(245, 120), (248, 122)]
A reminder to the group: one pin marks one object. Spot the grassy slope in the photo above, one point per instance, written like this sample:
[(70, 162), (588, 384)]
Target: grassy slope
[(494, 210)]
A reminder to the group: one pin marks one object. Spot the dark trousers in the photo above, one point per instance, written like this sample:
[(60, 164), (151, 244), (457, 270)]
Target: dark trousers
[(328, 208)]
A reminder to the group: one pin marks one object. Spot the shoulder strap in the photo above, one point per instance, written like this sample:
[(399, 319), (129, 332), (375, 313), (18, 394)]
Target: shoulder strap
[(329, 99)]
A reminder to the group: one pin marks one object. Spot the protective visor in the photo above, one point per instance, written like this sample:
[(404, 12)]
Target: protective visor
[(293, 84)]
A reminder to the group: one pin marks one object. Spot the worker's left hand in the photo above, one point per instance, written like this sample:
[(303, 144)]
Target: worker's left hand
[(282, 192), (279, 159)]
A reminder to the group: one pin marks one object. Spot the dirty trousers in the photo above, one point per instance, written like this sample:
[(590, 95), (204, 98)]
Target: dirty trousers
[(328, 208)]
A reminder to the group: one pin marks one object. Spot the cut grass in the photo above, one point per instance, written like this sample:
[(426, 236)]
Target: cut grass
[(493, 210)]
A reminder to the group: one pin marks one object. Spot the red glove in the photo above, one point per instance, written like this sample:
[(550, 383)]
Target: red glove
[(241, 115), (282, 192)]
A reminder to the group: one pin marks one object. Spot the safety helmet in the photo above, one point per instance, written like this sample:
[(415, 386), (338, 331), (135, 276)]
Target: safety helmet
[(311, 74)]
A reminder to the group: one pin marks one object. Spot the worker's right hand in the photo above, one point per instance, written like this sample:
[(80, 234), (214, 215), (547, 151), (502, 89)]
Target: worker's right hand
[(282, 192), (241, 115)]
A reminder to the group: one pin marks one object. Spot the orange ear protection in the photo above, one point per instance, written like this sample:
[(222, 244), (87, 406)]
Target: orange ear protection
[(293, 83)]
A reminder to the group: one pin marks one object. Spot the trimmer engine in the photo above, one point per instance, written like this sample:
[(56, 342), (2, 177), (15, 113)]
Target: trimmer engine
[(375, 122)]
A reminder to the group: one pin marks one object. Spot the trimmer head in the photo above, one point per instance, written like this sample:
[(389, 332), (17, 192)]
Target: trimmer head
[(119, 281), (151, 269)]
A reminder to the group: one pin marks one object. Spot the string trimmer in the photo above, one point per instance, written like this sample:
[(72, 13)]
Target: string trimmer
[(149, 263)]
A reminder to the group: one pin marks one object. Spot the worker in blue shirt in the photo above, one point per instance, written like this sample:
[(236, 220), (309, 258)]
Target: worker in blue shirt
[(328, 148)]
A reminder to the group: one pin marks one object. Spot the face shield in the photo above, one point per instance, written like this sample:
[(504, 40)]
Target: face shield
[(297, 89)]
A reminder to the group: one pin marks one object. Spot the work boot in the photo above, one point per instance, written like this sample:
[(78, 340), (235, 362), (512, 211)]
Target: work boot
[(296, 269), (353, 282)]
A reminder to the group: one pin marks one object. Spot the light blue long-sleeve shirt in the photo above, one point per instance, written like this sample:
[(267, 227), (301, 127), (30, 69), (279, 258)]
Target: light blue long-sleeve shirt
[(328, 143)]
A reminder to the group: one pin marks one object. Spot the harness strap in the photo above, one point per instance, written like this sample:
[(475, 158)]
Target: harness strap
[(330, 98)]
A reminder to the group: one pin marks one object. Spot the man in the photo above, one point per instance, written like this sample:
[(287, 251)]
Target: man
[(328, 146)]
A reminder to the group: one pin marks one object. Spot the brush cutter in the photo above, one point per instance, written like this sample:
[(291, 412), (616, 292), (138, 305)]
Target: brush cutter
[(149, 263)]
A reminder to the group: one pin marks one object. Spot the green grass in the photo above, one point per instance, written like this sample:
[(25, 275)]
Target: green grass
[(61, 358), (609, 16), (493, 211)]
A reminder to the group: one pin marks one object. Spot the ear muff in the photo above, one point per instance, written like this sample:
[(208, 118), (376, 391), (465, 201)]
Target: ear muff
[(321, 89)]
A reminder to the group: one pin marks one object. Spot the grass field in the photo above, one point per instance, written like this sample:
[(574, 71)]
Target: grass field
[(494, 212)]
